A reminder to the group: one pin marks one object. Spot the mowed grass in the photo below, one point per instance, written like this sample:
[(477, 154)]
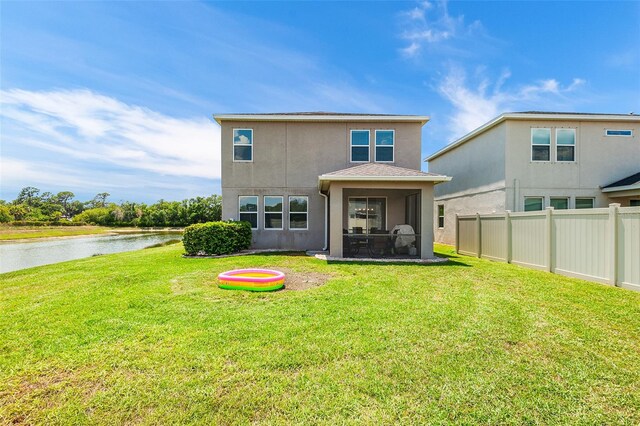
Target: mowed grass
[(147, 338), (28, 232)]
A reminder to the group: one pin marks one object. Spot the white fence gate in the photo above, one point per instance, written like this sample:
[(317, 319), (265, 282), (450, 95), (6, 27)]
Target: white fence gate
[(601, 245)]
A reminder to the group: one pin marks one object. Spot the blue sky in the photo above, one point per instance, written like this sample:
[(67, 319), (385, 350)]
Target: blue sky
[(118, 96)]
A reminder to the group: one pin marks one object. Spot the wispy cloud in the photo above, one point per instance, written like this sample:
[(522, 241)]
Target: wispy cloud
[(475, 104), (429, 26), (84, 125)]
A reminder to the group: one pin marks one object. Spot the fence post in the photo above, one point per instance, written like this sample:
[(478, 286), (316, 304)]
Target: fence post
[(478, 235), (613, 243), (457, 233), (507, 224), (549, 249)]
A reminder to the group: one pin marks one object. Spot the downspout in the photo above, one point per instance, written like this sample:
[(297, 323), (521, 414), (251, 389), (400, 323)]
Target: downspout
[(326, 220)]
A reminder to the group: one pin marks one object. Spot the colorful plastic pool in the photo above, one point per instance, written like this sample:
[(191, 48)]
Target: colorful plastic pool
[(251, 279)]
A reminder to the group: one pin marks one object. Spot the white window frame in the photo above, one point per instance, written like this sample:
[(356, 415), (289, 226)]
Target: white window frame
[(537, 144), (265, 212), (630, 135), (593, 202), (443, 211), (256, 212), (524, 202), (351, 145), (393, 147), (575, 145), (234, 144), (386, 209), (559, 197), (305, 213)]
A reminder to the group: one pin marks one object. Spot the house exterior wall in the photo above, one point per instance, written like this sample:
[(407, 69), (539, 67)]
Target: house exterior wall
[(478, 184), (494, 172), (288, 157)]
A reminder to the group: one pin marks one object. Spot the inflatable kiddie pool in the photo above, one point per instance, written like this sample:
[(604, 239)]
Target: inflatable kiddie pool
[(251, 279)]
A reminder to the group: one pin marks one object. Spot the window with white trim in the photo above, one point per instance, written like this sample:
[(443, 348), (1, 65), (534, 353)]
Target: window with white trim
[(298, 212), (585, 203), (565, 144), (619, 132), (272, 212), (533, 204), (385, 142), (243, 145), (441, 216), (540, 144), (559, 203), (634, 203), (248, 209), (360, 146)]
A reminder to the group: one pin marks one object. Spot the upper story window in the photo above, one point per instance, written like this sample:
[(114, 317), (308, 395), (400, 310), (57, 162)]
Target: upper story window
[(272, 212), (565, 144), (618, 132), (540, 144), (385, 141), (359, 146), (248, 209), (242, 145)]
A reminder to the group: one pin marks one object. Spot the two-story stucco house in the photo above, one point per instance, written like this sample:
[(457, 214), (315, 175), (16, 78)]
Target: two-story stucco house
[(533, 160), (313, 181)]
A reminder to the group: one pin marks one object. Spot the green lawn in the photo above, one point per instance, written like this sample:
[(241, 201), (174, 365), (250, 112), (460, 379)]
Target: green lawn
[(146, 337), (29, 232)]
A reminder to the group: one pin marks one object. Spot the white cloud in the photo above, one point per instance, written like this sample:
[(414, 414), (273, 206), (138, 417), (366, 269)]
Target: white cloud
[(474, 105), (86, 126)]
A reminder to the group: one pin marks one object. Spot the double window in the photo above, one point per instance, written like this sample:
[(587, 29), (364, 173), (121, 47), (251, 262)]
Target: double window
[(248, 208), (243, 145), (541, 144)]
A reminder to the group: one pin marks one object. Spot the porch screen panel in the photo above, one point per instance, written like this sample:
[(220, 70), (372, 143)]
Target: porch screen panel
[(357, 214), (367, 213)]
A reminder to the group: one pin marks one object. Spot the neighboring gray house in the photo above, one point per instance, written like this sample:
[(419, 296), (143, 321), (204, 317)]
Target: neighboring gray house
[(309, 181), (533, 160)]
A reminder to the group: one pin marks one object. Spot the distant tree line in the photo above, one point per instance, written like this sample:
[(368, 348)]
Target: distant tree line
[(31, 207)]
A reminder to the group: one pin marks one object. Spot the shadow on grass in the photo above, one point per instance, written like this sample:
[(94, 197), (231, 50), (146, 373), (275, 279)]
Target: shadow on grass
[(448, 263)]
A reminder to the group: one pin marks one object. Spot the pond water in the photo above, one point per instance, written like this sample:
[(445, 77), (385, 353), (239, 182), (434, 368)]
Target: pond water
[(22, 255)]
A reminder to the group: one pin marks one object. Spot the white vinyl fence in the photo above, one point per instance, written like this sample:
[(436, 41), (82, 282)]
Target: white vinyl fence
[(601, 245)]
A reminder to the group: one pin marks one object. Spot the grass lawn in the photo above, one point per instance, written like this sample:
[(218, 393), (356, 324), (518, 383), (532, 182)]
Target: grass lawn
[(23, 232), (146, 337)]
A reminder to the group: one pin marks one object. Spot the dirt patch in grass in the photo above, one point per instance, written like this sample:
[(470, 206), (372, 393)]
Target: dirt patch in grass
[(297, 280)]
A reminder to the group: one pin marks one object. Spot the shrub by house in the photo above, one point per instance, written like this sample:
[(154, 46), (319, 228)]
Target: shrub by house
[(215, 238)]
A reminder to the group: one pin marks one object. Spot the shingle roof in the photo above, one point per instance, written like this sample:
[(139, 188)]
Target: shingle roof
[(629, 180), (378, 170), (321, 116), (573, 113)]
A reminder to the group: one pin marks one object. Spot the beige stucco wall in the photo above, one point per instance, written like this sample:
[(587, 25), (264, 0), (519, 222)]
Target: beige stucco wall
[(288, 157), (600, 160)]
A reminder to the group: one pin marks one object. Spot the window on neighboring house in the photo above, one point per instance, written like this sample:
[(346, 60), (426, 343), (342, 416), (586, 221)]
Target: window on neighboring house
[(272, 212), (441, 216), (540, 144), (617, 132), (298, 212), (634, 203), (584, 203), (533, 204), (565, 144), (559, 203), (242, 145), (359, 146), (248, 208), (385, 140)]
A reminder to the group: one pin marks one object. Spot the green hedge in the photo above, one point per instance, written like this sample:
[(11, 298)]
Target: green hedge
[(214, 238)]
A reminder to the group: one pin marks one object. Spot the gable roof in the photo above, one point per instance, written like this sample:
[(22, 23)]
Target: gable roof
[(535, 115), (630, 182), (322, 116), (379, 172)]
